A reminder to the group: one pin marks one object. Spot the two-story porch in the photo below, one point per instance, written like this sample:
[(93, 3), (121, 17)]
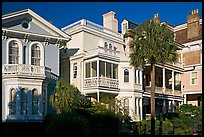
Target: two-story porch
[(101, 73), (168, 93)]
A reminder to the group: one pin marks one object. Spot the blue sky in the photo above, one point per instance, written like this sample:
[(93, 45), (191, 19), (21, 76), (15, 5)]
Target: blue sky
[(62, 14)]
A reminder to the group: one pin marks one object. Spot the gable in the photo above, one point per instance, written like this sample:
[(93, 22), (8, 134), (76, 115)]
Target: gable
[(35, 24)]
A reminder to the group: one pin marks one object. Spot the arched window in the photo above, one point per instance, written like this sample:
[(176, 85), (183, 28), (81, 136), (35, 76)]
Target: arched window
[(126, 106), (126, 75), (13, 52), (34, 101), (24, 102), (12, 102), (35, 55)]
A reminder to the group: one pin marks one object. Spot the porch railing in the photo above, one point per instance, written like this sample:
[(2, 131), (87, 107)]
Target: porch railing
[(101, 81), (167, 91)]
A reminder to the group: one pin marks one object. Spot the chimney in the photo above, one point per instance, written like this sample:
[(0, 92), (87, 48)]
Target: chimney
[(110, 21), (193, 24), (156, 18)]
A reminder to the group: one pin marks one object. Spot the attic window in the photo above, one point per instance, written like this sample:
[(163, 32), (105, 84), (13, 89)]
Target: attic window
[(25, 25)]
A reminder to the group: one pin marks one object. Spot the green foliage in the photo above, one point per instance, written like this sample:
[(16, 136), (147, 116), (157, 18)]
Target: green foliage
[(152, 43), (68, 123), (66, 97), (189, 121)]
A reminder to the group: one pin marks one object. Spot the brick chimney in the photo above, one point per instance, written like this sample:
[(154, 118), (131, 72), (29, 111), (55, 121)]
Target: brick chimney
[(110, 21), (193, 24), (156, 18)]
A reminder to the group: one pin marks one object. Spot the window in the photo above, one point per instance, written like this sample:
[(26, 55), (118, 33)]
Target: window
[(43, 101), (124, 27), (194, 78), (34, 101), (88, 70), (126, 75), (102, 69), (35, 55), (75, 70), (126, 106), (13, 52), (12, 102), (24, 102), (108, 70), (25, 25), (110, 46), (106, 45), (94, 68), (115, 71)]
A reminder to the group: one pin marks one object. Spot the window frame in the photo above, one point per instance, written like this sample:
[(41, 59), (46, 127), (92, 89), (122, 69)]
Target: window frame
[(191, 77), (20, 50), (75, 70), (126, 76)]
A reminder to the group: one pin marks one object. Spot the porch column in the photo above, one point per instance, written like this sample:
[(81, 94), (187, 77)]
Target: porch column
[(136, 76), (164, 79), (185, 99), (173, 105), (132, 105), (140, 73), (170, 110), (172, 80), (97, 75), (98, 96), (137, 105), (140, 108), (164, 106)]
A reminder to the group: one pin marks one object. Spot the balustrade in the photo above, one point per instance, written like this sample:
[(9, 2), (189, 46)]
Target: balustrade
[(101, 81)]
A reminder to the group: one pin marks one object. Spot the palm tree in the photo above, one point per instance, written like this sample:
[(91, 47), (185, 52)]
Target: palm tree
[(151, 43), (65, 97)]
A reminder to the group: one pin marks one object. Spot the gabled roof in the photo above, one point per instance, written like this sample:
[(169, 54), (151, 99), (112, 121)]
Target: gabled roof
[(37, 17)]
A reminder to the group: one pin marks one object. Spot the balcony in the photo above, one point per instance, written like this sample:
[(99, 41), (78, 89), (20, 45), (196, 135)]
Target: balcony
[(101, 81), (25, 69)]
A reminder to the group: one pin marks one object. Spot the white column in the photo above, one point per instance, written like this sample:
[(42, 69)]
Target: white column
[(185, 99), (141, 109), (98, 96), (97, 75), (172, 80), (132, 105), (173, 106), (164, 78), (137, 105), (169, 105), (136, 76), (140, 71), (164, 106)]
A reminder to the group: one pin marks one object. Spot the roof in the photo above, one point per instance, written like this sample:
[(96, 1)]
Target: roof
[(37, 17)]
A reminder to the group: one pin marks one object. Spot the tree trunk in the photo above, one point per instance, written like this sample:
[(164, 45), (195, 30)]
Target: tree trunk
[(152, 99)]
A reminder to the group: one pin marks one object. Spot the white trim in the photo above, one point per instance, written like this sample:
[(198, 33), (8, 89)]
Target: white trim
[(42, 56), (20, 50)]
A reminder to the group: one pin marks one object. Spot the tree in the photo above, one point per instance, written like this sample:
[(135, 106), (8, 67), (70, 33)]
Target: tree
[(66, 97), (152, 43)]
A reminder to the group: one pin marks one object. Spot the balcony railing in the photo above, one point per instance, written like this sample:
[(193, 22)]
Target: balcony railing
[(167, 91), (101, 81), (25, 69), (92, 25)]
